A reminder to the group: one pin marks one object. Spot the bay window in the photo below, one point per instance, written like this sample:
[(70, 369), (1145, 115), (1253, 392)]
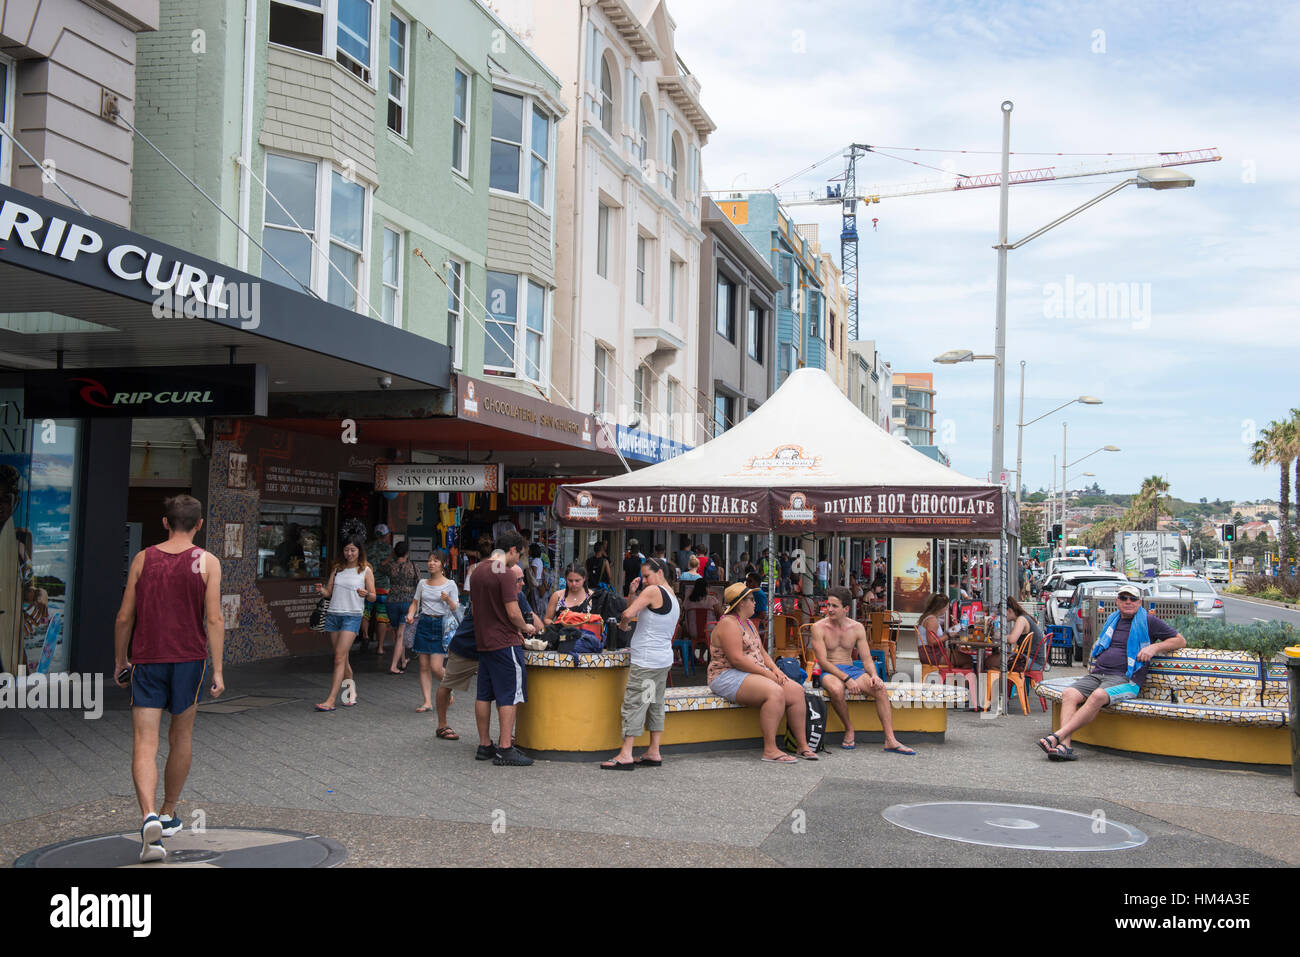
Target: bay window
[(520, 129), (509, 347), (339, 29)]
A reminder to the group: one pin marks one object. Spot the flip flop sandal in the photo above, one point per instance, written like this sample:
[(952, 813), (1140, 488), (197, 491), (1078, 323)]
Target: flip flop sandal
[(612, 765), (324, 710), (902, 749), (809, 755), (447, 734), (1047, 749), (848, 747), (783, 759), (648, 762), (422, 710)]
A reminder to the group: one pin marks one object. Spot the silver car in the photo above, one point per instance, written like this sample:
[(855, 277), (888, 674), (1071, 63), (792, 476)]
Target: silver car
[(1208, 602)]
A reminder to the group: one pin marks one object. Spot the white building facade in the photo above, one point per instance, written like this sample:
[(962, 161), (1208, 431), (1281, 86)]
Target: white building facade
[(628, 186)]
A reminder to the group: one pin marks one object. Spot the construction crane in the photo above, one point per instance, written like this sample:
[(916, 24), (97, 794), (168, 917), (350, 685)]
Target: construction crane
[(848, 197)]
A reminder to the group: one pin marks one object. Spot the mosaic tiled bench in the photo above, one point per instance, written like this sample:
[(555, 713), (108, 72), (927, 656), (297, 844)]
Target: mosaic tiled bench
[(906, 694), (1195, 703)]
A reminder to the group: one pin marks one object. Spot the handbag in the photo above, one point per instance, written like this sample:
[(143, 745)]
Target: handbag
[(317, 620)]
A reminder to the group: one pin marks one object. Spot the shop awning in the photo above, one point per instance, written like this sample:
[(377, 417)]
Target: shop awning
[(79, 285), (806, 461)]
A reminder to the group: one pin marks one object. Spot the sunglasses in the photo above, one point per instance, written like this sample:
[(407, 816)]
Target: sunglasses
[(1128, 598)]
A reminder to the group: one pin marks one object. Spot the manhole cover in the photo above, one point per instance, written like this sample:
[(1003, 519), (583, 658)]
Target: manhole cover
[(213, 847), (1021, 826)]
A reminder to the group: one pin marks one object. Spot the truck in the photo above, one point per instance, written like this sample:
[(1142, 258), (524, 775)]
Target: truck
[(1216, 570), (1147, 554)]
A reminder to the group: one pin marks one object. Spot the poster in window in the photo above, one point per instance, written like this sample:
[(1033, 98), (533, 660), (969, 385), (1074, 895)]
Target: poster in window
[(237, 475), (233, 546), (912, 574)]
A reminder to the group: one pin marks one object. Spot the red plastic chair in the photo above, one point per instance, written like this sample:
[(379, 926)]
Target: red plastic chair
[(946, 669)]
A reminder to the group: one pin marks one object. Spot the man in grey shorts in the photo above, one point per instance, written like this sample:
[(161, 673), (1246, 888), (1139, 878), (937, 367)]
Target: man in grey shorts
[(1129, 640)]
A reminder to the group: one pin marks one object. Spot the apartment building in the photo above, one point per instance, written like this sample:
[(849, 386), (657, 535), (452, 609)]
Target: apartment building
[(801, 306), (738, 295), (913, 406)]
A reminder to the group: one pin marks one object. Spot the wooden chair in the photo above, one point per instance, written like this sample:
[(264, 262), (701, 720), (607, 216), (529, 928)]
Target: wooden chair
[(785, 635)]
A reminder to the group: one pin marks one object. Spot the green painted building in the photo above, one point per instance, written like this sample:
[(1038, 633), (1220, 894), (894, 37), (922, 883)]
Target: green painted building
[(345, 135)]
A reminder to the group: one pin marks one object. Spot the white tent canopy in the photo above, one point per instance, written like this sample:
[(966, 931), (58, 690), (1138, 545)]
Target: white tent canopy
[(806, 460)]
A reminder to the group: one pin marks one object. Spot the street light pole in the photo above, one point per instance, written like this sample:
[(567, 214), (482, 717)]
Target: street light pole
[(1020, 434), (1064, 459), (998, 582)]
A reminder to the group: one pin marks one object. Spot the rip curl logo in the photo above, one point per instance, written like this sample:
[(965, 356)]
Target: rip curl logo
[(785, 458), (798, 510), (92, 393)]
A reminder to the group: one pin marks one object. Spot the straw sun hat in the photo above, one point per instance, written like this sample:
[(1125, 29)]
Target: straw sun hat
[(735, 594)]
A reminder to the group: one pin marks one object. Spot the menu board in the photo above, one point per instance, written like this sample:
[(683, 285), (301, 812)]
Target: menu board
[(292, 483)]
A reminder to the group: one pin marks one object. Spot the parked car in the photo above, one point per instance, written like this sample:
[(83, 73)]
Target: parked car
[(1057, 565), (1072, 616), (1060, 589), (1208, 602)]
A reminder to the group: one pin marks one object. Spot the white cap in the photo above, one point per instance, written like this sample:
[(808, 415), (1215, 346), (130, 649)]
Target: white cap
[(381, 530)]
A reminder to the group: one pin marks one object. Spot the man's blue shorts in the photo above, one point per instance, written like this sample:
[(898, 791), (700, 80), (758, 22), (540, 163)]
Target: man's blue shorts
[(501, 676), (176, 686), (854, 670)]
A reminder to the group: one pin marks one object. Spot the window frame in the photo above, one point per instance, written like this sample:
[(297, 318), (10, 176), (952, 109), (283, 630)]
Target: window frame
[(604, 227), (328, 10), (8, 103), (403, 75), (531, 104), (322, 231), (523, 281), (725, 326), (607, 96), (398, 320), (642, 263), (456, 317), (674, 166), (754, 334), (465, 124), (674, 288), (727, 409), (670, 407), (600, 387)]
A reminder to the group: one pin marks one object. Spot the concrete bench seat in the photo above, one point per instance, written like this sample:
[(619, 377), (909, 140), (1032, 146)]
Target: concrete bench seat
[(1196, 703)]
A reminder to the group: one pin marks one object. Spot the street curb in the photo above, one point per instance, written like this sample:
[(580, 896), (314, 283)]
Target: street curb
[(1263, 601)]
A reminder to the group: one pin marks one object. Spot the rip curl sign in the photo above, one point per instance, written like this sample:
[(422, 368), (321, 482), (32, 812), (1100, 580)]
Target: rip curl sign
[(145, 392)]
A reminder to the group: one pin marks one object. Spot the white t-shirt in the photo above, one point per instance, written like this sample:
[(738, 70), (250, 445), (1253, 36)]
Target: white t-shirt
[(433, 598), (652, 642), (344, 599)]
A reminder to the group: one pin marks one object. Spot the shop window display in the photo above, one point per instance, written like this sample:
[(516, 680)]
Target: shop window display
[(291, 541)]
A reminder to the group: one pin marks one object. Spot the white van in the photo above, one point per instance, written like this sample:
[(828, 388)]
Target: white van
[(1216, 570)]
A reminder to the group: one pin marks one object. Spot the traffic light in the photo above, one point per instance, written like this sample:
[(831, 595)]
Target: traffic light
[(1056, 532), (1229, 532)]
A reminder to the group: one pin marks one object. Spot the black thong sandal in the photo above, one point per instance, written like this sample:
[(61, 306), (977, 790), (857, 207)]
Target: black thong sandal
[(612, 765), (648, 762)]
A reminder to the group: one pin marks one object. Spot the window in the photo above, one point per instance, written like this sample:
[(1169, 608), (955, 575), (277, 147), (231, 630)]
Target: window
[(641, 392), (642, 252), (460, 122), (756, 334), (787, 279), (455, 307), (540, 157), (6, 118), (600, 401), (391, 307), (397, 69), (291, 541), (675, 163), (898, 392), (603, 215), (606, 97), (724, 413), (643, 135), (301, 24), (506, 347), (508, 173), (725, 314), (671, 409), (293, 183), (347, 228), (674, 286)]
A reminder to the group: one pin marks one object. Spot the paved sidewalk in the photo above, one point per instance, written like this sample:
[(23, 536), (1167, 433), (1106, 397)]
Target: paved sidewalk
[(376, 779)]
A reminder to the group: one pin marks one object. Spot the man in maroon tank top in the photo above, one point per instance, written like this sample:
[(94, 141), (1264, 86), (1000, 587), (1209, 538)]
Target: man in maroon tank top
[(172, 592)]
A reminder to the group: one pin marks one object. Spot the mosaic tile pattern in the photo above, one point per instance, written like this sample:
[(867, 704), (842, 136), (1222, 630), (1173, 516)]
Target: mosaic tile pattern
[(700, 698), (1185, 710), (622, 658)]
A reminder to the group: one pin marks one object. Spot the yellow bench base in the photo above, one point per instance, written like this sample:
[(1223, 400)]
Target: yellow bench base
[(1184, 739), (578, 711)]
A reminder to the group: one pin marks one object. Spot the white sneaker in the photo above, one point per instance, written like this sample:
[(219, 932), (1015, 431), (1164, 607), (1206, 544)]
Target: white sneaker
[(151, 848)]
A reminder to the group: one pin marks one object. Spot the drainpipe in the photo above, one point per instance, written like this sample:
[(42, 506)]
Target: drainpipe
[(246, 133), (579, 118)]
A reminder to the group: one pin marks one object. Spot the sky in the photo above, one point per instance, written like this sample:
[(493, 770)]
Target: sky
[(1205, 354)]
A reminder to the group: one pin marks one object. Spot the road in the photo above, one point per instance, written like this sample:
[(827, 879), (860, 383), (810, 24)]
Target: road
[(1243, 612)]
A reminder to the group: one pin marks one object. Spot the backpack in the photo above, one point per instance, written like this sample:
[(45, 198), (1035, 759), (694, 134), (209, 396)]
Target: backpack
[(814, 725)]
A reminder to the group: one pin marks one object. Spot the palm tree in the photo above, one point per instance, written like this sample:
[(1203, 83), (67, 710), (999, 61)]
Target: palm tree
[(1276, 445), (1294, 427), (1156, 484)]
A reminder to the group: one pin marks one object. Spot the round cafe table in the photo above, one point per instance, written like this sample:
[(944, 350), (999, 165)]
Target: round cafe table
[(981, 647)]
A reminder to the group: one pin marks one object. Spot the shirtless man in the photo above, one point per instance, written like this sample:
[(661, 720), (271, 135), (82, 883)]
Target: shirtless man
[(836, 641)]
